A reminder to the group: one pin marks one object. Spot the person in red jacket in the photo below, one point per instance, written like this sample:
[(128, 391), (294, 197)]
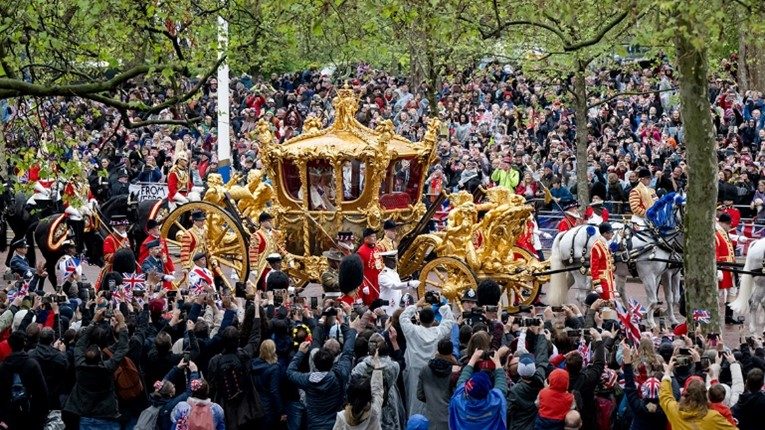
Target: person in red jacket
[(725, 253), (602, 263), (152, 228), (571, 217), (373, 265), (595, 212)]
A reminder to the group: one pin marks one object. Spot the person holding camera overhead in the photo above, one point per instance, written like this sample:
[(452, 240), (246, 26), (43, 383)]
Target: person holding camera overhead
[(422, 342)]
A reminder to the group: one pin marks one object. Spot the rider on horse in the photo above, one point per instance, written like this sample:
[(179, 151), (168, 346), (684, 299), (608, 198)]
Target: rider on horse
[(641, 199)]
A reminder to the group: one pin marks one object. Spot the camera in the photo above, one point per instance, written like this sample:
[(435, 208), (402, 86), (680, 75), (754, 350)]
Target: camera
[(487, 355), (432, 297), (530, 322)]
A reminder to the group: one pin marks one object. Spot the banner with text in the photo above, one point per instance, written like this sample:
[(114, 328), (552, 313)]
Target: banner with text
[(148, 191)]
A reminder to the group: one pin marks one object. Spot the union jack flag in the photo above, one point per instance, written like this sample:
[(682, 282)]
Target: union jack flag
[(132, 281), (71, 266), (636, 310), (584, 351), (702, 316), (650, 388), (121, 295), (22, 291), (628, 321), (198, 289)]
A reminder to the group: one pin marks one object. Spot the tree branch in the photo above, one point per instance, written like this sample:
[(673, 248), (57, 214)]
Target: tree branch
[(598, 37)]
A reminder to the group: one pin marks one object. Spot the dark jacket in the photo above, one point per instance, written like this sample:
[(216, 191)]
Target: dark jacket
[(642, 418), (434, 388), (34, 384), (748, 409), (266, 378), (585, 382), (324, 392), (53, 364), (94, 394), (20, 266), (242, 411), (521, 397)]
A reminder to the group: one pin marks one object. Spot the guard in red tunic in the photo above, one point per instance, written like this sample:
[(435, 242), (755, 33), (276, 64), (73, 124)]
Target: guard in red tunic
[(152, 229), (735, 216), (178, 179), (117, 240), (724, 252), (602, 263), (571, 217), (373, 265)]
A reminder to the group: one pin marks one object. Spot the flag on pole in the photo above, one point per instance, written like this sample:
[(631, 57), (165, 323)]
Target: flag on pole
[(584, 351), (22, 291), (71, 266), (636, 310)]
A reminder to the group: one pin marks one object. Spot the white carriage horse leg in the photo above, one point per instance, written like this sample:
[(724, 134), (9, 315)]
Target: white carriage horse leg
[(650, 281), (669, 279), (755, 302)]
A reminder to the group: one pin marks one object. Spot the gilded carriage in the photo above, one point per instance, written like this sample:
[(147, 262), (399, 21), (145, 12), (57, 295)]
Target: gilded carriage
[(344, 178)]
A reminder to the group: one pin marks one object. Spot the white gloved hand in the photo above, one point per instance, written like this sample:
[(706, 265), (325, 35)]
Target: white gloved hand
[(168, 278), (414, 283), (719, 275), (546, 235), (365, 290)]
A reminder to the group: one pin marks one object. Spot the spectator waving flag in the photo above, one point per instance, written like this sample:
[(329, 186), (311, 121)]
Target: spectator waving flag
[(22, 291), (132, 281), (628, 322), (702, 316)]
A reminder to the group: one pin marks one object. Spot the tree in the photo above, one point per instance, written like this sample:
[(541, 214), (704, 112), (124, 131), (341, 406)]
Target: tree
[(569, 36), (98, 50)]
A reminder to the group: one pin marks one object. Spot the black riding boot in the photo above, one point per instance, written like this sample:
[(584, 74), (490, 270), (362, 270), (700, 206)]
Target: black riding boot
[(729, 316)]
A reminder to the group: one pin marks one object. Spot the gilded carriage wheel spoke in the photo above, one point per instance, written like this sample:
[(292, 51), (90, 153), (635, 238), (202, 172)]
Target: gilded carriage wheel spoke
[(429, 282)]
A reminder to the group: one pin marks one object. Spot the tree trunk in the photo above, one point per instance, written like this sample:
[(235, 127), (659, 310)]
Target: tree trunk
[(751, 64), (580, 112), (700, 268), (743, 76)]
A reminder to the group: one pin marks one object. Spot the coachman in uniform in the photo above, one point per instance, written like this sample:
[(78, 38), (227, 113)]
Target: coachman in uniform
[(571, 217), (602, 263), (117, 240), (373, 265), (194, 240), (388, 241), (725, 253), (641, 198), (329, 278)]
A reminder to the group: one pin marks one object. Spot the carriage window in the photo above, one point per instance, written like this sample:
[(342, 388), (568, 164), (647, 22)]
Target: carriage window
[(401, 186), (291, 178), (354, 179), (321, 186)]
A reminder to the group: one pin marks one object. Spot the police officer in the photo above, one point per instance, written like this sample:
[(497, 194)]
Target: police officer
[(21, 268)]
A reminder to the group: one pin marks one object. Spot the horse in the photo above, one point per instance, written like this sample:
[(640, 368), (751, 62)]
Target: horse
[(570, 248), (751, 294), (50, 234), (647, 251), (23, 219)]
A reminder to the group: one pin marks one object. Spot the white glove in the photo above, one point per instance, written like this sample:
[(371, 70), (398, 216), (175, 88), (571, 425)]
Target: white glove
[(365, 290), (719, 275), (168, 278), (414, 283), (546, 235)]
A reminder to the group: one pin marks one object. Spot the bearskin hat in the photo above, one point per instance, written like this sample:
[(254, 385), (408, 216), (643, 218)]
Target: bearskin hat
[(350, 273), (488, 293)]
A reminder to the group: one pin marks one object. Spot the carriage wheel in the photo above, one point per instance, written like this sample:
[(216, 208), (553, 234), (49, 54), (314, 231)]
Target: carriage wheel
[(415, 255), (227, 242), (522, 292), (449, 276)]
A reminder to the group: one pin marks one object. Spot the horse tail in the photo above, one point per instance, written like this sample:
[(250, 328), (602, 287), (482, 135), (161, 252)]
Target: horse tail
[(558, 291), (753, 260)]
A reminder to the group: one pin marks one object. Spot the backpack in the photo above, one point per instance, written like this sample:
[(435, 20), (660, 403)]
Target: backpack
[(233, 378), (148, 419), (20, 402), (201, 417), (127, 378)]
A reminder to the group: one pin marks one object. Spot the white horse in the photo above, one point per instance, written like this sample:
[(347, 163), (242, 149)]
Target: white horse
[(649, 254), (571, 248), (751, 294)]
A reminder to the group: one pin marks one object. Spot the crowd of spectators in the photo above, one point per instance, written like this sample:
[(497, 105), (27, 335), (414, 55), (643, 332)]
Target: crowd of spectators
[(207, 360)]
